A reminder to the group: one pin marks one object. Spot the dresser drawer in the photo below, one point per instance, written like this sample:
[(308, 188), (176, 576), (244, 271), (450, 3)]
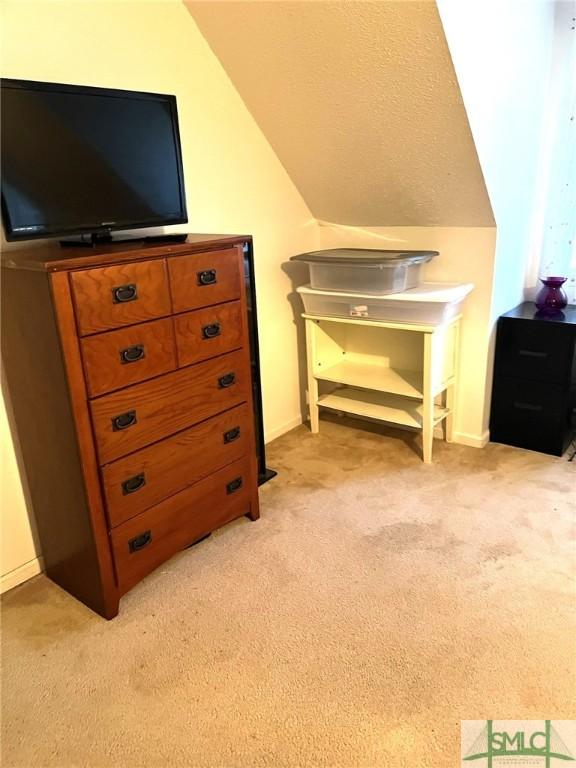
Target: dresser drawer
[(144, 413), (144, 478), (118, 358), (535, 351), (146, 541), (110, 297), (208, 332), (203, 279)]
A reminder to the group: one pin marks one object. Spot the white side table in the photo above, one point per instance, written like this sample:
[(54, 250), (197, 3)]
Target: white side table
[(397, 373)]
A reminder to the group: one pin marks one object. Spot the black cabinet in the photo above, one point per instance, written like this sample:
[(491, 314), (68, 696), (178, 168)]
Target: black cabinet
[(534, 388)]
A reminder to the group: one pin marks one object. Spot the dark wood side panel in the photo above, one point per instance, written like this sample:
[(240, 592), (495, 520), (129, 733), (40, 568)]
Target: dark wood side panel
[(142, 479), (73, 538), (134, 417), (146, 541), (254, 512)]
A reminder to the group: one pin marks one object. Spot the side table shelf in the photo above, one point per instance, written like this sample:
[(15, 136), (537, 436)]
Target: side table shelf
[(393, 372)]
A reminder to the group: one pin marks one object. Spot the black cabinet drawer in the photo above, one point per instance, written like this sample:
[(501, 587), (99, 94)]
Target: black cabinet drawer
[(534, 351), (531, 414)]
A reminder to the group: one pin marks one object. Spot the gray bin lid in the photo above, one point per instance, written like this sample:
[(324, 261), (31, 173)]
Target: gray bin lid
[(364, 256)]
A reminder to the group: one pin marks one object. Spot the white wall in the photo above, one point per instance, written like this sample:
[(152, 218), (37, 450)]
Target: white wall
[(360, 102), (502, 52), (466, 256), (557, 190), (234, 181), (18, 555)]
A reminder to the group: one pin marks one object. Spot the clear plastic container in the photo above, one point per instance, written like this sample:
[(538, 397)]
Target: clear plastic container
[(363, 270), (429, 304)]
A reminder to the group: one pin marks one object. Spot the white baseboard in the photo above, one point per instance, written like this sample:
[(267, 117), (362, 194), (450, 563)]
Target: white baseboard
[(281, 430), (461, 438), (474, 441), (21, 574)]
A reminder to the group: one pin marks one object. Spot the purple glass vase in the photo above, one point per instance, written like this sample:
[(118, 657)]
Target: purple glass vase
[(551, 297)]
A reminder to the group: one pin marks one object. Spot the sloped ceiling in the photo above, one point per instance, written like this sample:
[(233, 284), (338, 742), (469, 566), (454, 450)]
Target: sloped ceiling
[(360, 102)]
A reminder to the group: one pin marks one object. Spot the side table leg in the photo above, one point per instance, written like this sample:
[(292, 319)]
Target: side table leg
[(451, 391), (428, 401), (312, 381), (449, 420)]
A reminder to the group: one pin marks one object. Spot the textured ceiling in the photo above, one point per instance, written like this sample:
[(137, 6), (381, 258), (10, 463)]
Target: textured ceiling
[(361, 104)]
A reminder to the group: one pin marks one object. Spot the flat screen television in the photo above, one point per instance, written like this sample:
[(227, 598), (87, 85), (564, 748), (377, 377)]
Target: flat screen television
[(78, 160)]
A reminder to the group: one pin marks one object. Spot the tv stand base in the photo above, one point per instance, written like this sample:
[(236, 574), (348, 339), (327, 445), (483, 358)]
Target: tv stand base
[(167, 239), (102, 238)]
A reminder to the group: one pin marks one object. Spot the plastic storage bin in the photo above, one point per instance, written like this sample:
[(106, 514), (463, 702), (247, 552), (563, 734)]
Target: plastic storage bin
[(429, 304), (363, 270)]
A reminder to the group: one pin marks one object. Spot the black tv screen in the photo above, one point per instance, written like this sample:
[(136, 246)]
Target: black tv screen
[(86, 160)]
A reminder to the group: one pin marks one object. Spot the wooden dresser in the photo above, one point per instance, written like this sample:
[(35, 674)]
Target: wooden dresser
[(128, 374)]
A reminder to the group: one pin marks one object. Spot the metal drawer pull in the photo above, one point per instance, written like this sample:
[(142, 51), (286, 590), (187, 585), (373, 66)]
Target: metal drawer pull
[(123, 293), (531, 353), (140, 541), (231, 435), (133, 484), (207, 277), (211, 331), (132, 354), (124, 420), (234, 486), (528, 406), (227, 380)]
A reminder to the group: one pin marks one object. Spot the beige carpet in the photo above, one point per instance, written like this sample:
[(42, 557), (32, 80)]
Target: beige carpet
[(376, 603)]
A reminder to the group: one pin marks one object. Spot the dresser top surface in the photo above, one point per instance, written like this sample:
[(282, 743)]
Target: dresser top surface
[(527, 311), (52, 257)]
